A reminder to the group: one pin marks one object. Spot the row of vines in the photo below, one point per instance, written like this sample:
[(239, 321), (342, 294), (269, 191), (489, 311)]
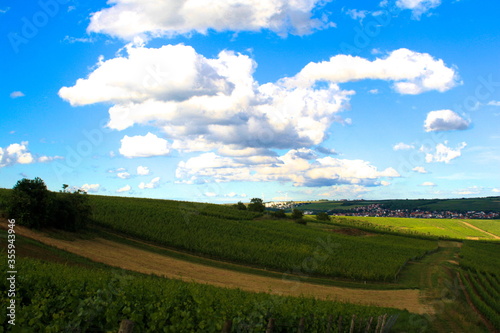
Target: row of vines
[(273, 244), (481, 277), (57, 298)]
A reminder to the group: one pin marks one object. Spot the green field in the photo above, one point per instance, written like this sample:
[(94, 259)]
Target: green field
[(459, 205), (215, 231), (447, 228)]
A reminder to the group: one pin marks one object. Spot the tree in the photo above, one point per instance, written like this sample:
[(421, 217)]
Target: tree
[(71, 210), (322, 217), (36, 207), (30, 203), (280, 214), (240, 205), (256, 205), (297, 214)]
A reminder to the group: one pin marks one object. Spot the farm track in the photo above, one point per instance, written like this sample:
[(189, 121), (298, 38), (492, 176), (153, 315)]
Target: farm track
[(134, 259), (479, 229)]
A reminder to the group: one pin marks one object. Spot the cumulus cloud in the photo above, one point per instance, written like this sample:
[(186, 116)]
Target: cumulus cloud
[(418, 7), (143, 146), (126, 188), (90, 188), (143, 170), (154, 183), (16, 94), (127, 19), (402, 146), (412, 72), (18, 153), (207, 103), (419, 169), (430, 184), (299, 166), (443, 153), (445, 120)]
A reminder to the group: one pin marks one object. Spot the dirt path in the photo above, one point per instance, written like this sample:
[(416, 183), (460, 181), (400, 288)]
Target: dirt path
[(130, 258), (479, 229)]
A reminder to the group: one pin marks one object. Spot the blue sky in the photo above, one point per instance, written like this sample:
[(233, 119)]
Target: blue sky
[(223, 101)]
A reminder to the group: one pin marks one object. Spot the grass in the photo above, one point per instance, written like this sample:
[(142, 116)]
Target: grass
[(449, 228)]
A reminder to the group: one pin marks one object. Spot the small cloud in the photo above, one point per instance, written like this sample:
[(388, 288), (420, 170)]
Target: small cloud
[(44, 159), (385, 183), (144, 146), (16, 94), (326, 151), (4, 10), (90, 188), (493, 103), (445, 120), (72, 40), (402, 146), (123, 175), (356, 14), (430, 184), (143, 170), (373, 91), (496, 190), (126, 188), (210, 194), (419, 169), (154, 183)]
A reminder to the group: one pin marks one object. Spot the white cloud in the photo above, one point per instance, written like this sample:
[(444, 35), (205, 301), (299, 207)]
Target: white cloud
[(143, 146), (18, 153), (123, 175), (143, 170), (208, 103), (90, 188), (419, 169), (496, 190), (373, 91), (16, 94), (356, 14), (494, 103), (154, 183), (402, 146), (445, 120), (210, 194), (430, 184), (472, 190), (412, 72), (443, 153), (129, 18), (296, 166), (126, 188), (418, 7)]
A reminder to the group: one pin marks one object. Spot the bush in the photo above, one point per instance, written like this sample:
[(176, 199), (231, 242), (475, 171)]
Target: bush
[(280, 214), (297, 214), (322, 217), (240, 206)]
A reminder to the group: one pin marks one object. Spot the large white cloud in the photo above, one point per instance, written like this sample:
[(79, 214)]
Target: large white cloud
[(143, 146), (445, 120), (129, 18), (299, 166), (203, 104), (412, 72), (208, 102)]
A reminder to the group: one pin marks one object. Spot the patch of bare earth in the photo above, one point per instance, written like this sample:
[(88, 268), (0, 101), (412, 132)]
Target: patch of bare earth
[(130, 258)]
